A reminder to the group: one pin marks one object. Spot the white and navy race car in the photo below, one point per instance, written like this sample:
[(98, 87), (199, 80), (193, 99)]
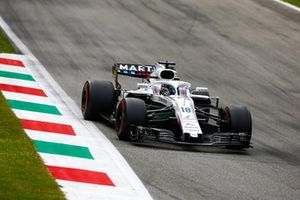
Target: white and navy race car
[(164, 108)]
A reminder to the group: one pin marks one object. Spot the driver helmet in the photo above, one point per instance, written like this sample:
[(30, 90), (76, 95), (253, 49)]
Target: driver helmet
[(167, 90)]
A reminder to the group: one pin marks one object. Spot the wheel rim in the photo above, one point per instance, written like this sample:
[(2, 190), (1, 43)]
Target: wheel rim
[(120, 118), (225, 126), (84, 100)]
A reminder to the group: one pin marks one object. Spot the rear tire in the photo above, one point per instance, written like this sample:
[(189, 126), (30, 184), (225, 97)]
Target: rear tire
[(97, 97), (130, 111)]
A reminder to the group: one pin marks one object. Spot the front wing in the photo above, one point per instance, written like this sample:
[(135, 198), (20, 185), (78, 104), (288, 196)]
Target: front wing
[(139, 134)]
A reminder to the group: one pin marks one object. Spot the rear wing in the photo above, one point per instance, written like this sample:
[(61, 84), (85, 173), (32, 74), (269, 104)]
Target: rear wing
[(133, 70)]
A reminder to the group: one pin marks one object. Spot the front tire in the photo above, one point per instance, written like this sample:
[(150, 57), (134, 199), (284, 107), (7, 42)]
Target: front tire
[(130, 111), (238, 121), (97, 97)]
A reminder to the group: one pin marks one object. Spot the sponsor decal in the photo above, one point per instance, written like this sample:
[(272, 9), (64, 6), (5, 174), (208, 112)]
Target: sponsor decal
[(191, 127), (136, 68), (189, 121), (186, 112)]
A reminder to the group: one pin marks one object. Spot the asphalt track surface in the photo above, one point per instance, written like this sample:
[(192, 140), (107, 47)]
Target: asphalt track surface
[(246, 52)]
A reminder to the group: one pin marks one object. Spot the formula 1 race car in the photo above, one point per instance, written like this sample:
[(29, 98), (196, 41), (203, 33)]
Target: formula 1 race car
[(166, 109)]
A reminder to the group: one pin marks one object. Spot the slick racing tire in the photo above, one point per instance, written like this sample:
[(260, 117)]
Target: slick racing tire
[(97, 97), (130, 111), (238, 121)]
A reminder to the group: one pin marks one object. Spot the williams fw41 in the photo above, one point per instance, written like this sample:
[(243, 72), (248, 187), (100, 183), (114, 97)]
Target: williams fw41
[(164, 108)]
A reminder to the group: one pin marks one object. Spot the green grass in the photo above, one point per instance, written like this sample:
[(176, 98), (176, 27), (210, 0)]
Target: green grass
[(5, 46), (294, 2), (22, 172)]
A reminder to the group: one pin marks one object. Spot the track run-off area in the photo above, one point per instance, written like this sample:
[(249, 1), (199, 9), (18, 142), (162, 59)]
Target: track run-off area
[(245, 52), (86, 167)]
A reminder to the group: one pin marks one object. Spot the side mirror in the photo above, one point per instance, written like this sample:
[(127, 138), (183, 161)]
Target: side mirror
[(200, 97)]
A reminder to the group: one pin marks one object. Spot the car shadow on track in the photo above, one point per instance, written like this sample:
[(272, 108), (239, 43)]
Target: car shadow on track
[(173, 147)]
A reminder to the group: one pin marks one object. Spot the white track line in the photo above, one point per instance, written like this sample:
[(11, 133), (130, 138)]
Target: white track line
[(288, 5), (14, 69), (135, 188), (28, 98), (24, 83)]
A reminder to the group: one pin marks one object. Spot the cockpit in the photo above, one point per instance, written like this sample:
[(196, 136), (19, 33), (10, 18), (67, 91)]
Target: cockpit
[(167, 90)]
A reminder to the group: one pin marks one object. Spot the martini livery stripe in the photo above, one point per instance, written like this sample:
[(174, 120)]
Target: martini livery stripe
[(12, 62), (63, 149), (79, 175), (21, 89), (47, 127)]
